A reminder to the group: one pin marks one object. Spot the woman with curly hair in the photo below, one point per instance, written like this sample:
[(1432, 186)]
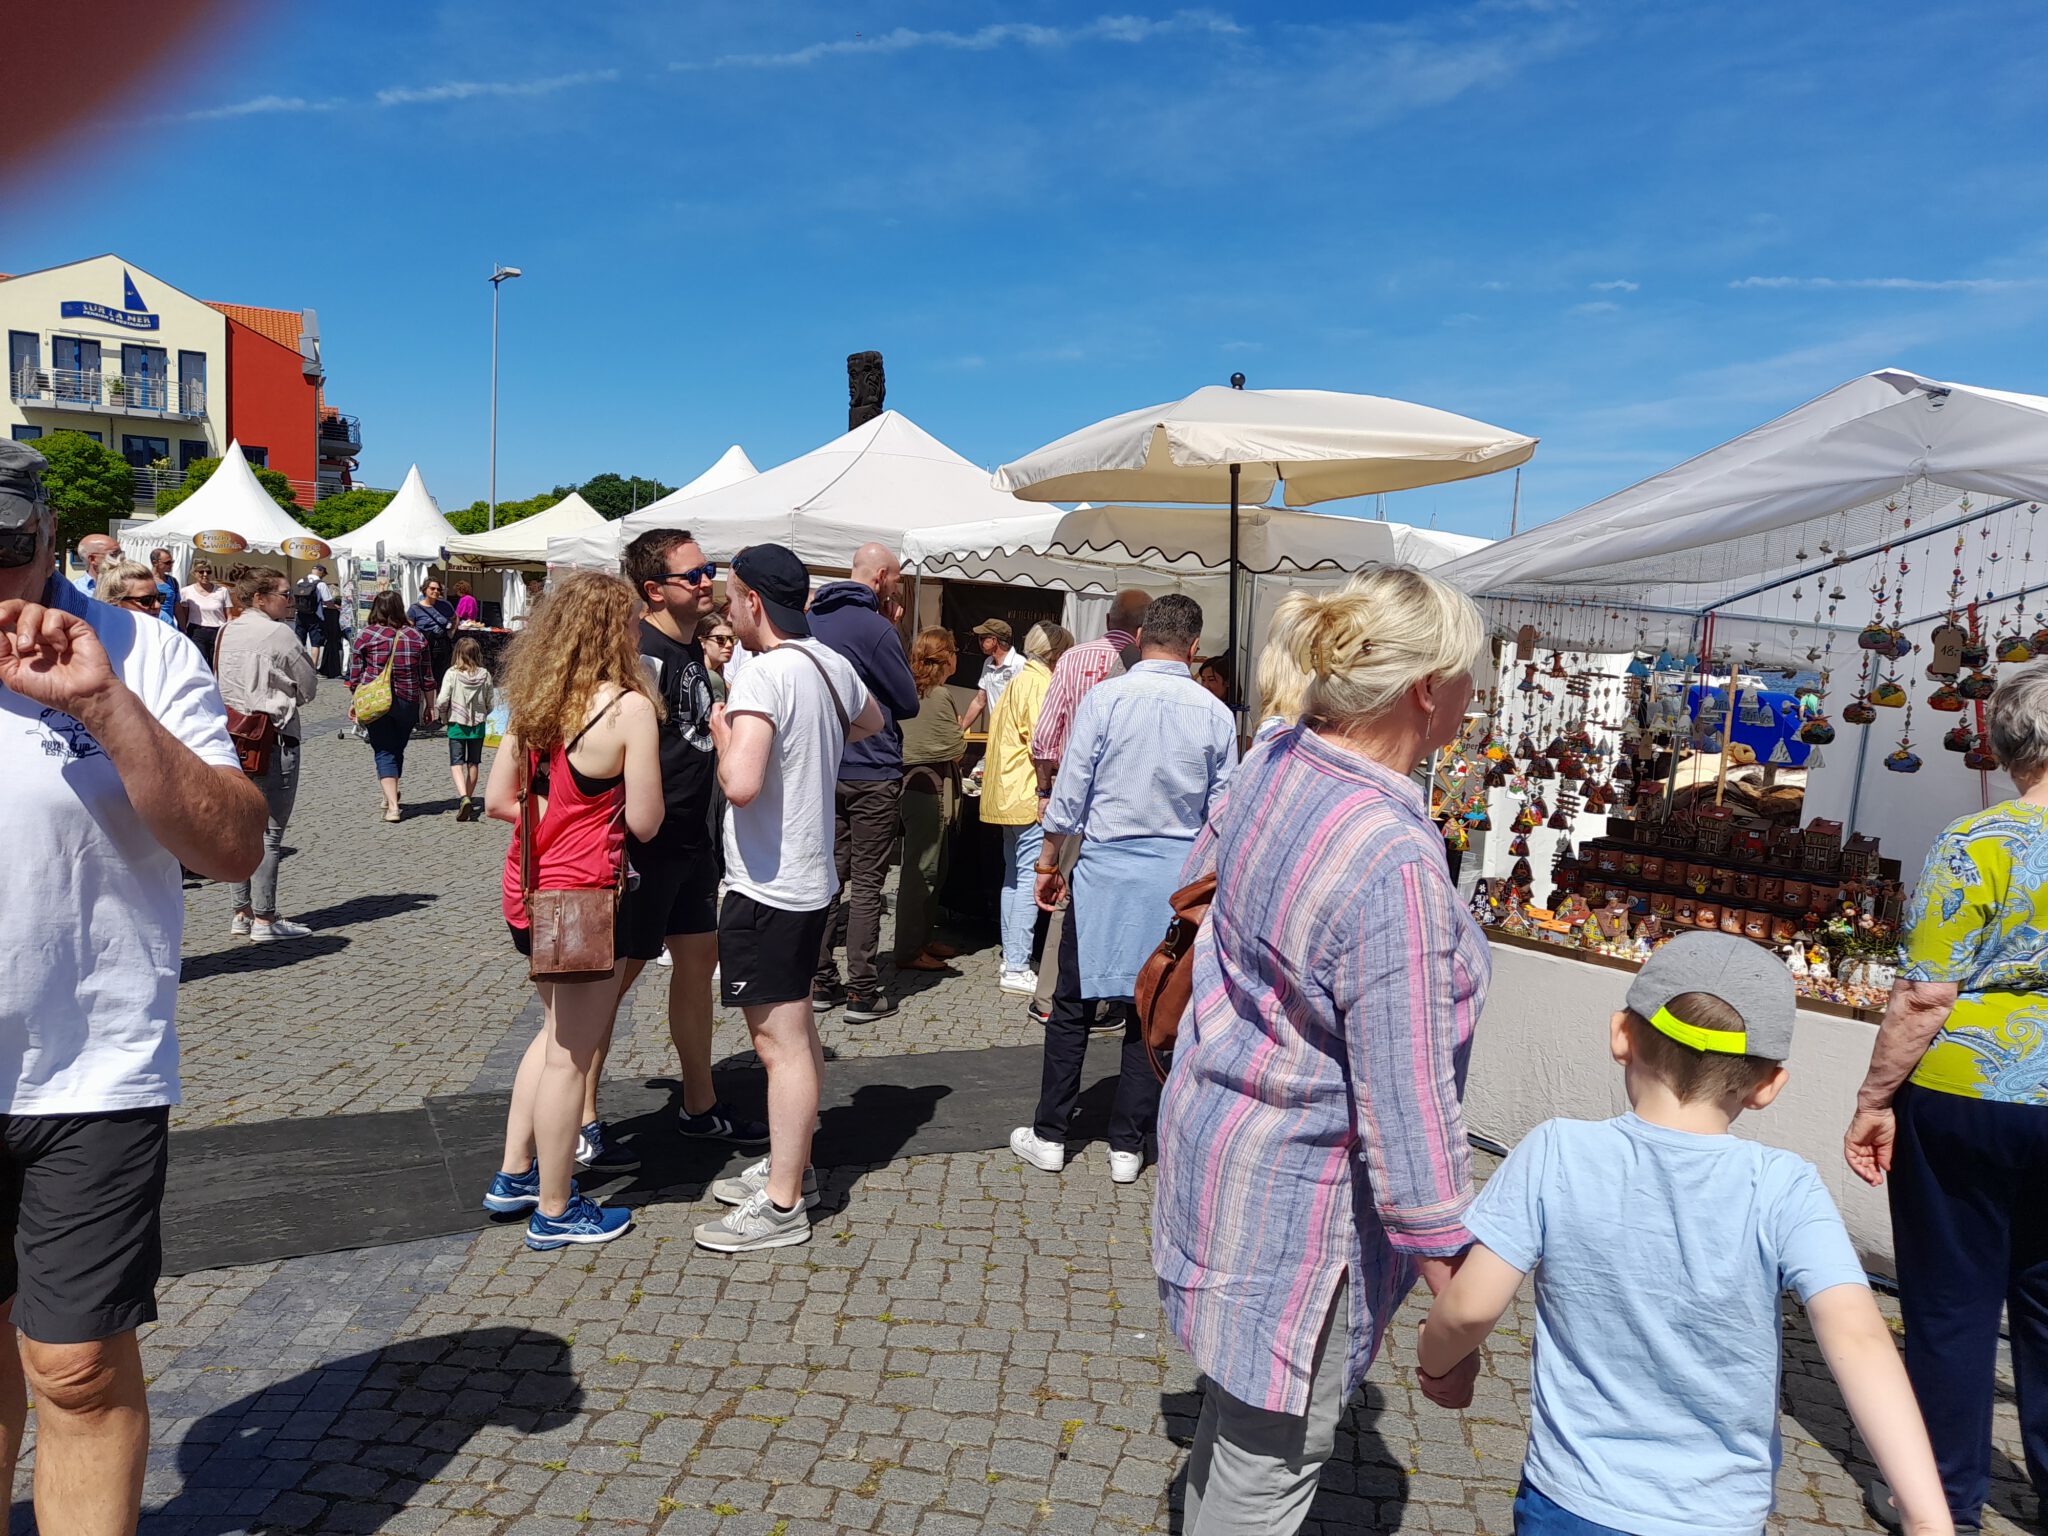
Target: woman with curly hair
[(583, 742), (932, 744)]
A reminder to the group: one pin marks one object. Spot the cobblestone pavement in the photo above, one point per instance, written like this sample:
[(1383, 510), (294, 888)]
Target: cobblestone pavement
[(965, 1345)]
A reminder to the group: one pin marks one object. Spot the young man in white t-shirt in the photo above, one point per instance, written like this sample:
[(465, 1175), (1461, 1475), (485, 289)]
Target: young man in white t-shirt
[(997, 672), (779, 737), (114, 747)]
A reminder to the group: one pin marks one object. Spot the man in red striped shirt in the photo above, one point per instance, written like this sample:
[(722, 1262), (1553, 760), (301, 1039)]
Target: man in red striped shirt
[(1079, 670)]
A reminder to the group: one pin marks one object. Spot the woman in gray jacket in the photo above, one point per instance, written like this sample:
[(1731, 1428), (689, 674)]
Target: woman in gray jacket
[(263, 670)]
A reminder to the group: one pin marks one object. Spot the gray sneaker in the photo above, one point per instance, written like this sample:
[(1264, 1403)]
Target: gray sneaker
[(757, 1224), (750, 1181)]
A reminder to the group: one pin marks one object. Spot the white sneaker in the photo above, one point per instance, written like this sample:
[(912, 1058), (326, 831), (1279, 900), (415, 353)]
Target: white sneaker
[(1039, 1153), (239, 928), (1019, 981), (1124, 1167), (665, 958), (261, 932)]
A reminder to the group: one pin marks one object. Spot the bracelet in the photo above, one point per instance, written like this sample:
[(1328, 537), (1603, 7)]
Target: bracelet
[(1040, 869)]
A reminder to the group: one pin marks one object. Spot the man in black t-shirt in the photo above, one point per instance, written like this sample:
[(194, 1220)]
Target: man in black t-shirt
[(675, 904)]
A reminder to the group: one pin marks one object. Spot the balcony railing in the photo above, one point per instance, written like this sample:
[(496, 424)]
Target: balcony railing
[(79, 389), (148, 481), (341, 437)]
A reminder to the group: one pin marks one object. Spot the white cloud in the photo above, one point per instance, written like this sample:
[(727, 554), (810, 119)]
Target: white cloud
[(1104, 29), (256, 106), (1911, 284), (1596, 307), (1616, 285), (467, 90)]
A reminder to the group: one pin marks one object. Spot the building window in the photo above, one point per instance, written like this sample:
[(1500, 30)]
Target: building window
[(259, 458), (24, 362), (141, 452), (76, 365), (26, 434), (192, 383), (145, 378), (190, 451)]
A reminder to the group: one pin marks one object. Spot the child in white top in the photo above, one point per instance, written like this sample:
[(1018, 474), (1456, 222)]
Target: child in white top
[(465, 703)]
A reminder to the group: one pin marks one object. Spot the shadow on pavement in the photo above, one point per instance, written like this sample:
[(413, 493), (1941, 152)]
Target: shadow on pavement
[(247, 958), (366, 909), (346, 1444), (1364, 1485)]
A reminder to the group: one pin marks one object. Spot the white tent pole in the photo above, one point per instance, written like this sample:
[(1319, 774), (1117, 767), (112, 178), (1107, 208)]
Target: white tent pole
[(1236, 661)]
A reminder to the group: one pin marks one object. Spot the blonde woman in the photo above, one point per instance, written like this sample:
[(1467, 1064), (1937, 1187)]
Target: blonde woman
[(932, 743), (1010, 798), (584, 734), (203, 606), (1312, 1156)]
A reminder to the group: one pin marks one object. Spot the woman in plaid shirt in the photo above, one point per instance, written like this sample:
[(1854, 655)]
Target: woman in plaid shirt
[(1312, 1157), (389, 637)]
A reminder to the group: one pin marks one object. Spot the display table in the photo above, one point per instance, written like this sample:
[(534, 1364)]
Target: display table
[(1540, 1052)]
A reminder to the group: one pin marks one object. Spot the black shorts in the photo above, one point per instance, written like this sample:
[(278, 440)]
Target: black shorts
[(766, 955), (81, 1221), (677, 894), (465, 751)]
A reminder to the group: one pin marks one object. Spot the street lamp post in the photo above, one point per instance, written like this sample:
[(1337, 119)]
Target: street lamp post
[(498, 275)]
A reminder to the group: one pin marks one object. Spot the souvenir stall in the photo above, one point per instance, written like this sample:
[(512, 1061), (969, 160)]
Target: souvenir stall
[(518, 552), (1745, 695), (410, 537)]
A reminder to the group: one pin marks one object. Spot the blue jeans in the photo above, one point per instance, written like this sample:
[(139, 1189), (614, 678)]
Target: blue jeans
[(1019, 903), (389, 735), (1537, 1515)]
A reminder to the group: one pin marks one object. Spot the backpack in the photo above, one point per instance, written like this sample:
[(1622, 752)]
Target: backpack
[(306, 600)]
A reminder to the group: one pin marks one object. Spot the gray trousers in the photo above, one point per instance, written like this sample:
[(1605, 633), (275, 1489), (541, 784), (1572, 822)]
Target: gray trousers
[(280, 788), (1253, 1472)]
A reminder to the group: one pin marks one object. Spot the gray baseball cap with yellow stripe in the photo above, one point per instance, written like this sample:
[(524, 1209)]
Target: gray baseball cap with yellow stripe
[(1746, 976)]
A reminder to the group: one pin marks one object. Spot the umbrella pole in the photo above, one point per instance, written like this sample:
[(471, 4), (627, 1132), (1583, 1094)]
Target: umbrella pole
[(1236, 699)]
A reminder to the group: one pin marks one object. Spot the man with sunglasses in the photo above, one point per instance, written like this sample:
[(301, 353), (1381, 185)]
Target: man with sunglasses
[(675, 905)]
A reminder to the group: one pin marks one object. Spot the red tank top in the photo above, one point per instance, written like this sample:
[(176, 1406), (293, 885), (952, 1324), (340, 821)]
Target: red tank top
[(578, 841)]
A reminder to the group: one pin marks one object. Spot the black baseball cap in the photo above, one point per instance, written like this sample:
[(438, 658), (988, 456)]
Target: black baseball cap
[(782, 583)]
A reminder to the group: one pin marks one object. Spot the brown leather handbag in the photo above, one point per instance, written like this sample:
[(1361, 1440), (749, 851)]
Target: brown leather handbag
[(1166, 981), (572, 929), (255, 739)]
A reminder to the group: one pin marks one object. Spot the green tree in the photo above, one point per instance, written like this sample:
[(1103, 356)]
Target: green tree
[(273, 481), (613, 496), (333, 516), (87, 484)]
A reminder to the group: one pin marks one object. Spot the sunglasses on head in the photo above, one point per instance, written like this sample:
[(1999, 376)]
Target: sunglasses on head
[(708, 571)]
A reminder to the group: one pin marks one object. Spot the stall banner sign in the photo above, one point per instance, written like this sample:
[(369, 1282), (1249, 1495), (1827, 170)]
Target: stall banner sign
[(306, 549), (220, 541)]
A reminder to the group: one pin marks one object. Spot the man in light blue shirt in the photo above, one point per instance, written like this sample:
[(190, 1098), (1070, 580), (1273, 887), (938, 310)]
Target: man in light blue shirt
[(1148, 754)]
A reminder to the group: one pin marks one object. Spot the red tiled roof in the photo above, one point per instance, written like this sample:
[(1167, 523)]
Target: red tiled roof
[(279, 325)]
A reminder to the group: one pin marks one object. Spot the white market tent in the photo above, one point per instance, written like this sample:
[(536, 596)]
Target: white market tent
[(520, 547), (1709, 555), (1093, 552), (233, 501), (873, 484), (599, 548), (414, 535)]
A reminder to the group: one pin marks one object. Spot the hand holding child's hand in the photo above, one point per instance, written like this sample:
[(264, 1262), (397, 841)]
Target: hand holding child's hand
[(1453, 1389)]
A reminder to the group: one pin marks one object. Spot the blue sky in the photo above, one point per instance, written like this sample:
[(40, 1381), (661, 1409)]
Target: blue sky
[(1632, 229)]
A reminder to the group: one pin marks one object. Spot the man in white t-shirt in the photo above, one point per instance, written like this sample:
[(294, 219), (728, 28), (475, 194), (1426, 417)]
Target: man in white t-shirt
[(1004, 663), (115, 752), (779, 737)]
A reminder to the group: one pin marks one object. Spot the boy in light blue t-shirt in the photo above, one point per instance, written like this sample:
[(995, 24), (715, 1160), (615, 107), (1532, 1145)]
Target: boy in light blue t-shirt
[(1660, 1246)]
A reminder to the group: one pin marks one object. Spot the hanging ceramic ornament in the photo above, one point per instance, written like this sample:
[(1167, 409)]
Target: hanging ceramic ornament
[(1976, 655), (1858, 713), (1981, 756), (1977, 686), (1948, 699), (1816, 732), (2014, 648), (1958, 738), (1905, 760), (1888, 694)]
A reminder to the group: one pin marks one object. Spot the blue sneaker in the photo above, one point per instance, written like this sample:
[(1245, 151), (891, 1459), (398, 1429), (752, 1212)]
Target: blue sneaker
[(511, 1192), (585, 1221), (597, 1152), (719, 1123)]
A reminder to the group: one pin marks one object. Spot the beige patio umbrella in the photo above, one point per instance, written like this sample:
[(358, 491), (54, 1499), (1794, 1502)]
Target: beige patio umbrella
[(1239, 444)]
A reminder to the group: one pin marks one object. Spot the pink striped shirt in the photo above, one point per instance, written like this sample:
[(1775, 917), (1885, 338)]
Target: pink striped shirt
[(1311, 1124), (1079, 670)]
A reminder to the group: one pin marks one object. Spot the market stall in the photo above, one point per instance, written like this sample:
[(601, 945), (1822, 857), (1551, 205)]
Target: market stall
[(599, 548), (410, 536), (234, 504), (1745, 695), (519, 550)]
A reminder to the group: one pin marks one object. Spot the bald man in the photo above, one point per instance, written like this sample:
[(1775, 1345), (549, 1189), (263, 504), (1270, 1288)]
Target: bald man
[(857, 618), (96, 550)]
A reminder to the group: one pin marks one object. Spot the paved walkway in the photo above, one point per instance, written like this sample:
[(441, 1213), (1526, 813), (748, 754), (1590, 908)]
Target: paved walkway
[(966, 1345)]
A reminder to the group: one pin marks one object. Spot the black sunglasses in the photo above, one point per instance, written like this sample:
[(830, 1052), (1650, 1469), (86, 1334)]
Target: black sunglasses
[(153, 601), (708, 571)]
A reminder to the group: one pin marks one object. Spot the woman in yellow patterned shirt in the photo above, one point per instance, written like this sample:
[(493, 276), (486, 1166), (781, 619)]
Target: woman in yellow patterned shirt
[(1955, 1109)]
